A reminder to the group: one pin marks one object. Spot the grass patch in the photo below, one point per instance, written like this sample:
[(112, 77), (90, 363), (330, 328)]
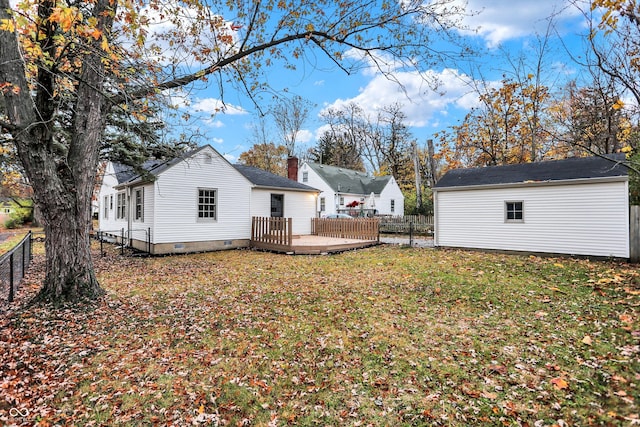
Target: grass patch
[(382, 336)]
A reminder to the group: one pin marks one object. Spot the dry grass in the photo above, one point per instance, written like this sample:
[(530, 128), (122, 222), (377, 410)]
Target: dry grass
[(383, 336)]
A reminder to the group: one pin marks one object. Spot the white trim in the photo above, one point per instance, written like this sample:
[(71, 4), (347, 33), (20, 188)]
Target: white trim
[(535, 183)]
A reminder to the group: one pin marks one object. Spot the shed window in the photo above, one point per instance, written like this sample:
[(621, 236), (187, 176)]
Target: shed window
[(514, 212), (393, 205), (305, 176), (207, 204), (323, 203)]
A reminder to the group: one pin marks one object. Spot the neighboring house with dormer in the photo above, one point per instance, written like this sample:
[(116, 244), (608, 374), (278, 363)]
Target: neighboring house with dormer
[(577, 206), (198, 202), (348, 191)]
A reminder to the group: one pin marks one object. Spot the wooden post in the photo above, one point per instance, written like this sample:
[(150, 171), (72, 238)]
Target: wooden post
[(634, 234)]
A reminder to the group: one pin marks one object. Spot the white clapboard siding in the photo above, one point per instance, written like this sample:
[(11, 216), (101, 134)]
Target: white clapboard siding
[(391, 191), (141, 228), (581, 219), (176, 201), (298, 205), (316, 181), (109, 223)]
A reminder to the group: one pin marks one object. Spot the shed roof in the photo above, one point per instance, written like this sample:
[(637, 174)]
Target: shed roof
[(262, 178), (344, 180), (576, 168)]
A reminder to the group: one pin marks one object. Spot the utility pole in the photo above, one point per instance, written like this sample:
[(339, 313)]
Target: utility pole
[(416, 168), (431, 163)]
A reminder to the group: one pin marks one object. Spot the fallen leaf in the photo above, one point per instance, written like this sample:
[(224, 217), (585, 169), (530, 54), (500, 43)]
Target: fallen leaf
[(625, 318), (559, 383), (619, 379), (489, 395), (587, 340)]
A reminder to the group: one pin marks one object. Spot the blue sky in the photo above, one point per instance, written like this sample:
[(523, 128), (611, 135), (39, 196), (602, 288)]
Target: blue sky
[(504, 29)]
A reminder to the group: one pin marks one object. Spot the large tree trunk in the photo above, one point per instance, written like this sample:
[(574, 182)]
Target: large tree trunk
[(70, 275), (61, 169)]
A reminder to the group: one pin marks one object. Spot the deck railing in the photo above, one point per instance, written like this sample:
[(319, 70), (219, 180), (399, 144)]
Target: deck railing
[(356, 228), (272, 231)]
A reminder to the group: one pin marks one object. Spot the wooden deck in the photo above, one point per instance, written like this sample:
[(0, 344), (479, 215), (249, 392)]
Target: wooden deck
[(327, 235), (314, 245)]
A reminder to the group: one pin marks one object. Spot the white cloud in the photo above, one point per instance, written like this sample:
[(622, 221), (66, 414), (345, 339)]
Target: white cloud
[(421, 104), (304, 136), (230, 158), (215, 106), (218, 141), (500, 20)]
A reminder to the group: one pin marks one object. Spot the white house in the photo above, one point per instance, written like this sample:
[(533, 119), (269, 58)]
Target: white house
[(577, 206), (350, 191), (198, 202)]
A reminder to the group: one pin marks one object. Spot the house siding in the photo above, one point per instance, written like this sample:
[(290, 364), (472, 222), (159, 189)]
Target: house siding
[(316, 181), (390, 192), (332, 198), (176, 201), (297, 206), (110, 223), (580, 219), (140, 229)]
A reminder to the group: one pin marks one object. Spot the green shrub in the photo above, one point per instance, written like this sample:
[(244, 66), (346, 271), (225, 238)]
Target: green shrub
[(22, 213)]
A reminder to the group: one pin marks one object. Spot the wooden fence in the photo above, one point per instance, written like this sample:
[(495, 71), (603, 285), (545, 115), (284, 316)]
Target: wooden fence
[(406, 224), (271, 231), (356, 228)]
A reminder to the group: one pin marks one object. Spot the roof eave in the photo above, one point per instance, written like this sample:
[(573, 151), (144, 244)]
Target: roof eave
[(269, 187), (618, 178)]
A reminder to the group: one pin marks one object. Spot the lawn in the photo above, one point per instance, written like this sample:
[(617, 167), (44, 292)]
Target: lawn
[(386, 336)]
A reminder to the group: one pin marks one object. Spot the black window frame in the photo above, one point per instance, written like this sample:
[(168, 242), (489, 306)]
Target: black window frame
[(514, 211)]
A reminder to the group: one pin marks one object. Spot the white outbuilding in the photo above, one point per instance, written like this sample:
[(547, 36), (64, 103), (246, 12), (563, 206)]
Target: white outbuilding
[(576, 206)]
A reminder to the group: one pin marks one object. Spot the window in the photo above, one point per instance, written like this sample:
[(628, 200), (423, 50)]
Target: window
[(341, 200), (139, 210), (106, 207), (277, 205), (110, 202), (207, 199), (305, 176), (322, 204), (121, 206), (514, 212), (393, 205)]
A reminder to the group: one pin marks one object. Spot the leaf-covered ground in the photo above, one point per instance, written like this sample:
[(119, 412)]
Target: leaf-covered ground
[(385, 336)]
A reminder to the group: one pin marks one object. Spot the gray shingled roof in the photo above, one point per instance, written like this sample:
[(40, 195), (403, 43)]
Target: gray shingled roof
[(555, 170), (262, 178), (127, 174), (349, 181)]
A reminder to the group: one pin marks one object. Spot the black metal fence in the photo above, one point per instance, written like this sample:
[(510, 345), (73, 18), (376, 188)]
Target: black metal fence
[(124, 239), (13, 266)]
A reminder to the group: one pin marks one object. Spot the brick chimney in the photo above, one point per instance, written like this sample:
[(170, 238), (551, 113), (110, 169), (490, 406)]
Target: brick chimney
[(292, 168)]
